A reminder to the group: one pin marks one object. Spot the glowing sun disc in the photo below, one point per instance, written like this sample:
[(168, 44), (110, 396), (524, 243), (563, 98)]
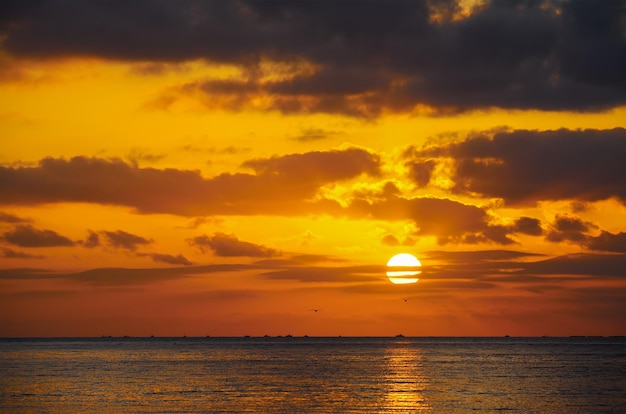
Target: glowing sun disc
[(410, 268)]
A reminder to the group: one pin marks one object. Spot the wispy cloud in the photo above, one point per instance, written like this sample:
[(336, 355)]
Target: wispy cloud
[(14, 254), (11, 218)]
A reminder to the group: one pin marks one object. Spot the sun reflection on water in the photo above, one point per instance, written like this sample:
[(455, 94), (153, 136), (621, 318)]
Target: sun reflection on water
[(405, 379)]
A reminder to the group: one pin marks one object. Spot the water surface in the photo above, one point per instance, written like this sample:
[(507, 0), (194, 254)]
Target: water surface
[(311, 374)]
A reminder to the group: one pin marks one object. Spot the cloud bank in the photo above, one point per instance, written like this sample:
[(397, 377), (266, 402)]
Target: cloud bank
[(363, 58)]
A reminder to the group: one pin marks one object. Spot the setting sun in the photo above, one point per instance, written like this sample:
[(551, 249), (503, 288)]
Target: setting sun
[(410, 266)]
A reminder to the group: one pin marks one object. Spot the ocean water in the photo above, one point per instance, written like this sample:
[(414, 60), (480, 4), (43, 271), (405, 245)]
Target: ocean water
[(311, 374)]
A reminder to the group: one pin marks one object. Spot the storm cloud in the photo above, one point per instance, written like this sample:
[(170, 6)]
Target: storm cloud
[(368, 56)]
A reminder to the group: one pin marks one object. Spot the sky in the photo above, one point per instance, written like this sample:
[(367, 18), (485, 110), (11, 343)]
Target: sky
[(224, 168)]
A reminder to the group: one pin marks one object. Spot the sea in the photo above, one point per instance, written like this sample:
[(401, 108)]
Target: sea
[(313, 375)]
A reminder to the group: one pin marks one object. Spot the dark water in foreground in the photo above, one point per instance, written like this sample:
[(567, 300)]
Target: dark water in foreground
[(339, 375)]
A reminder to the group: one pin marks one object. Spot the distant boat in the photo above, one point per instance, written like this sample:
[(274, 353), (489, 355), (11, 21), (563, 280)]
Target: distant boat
[(399, 336)]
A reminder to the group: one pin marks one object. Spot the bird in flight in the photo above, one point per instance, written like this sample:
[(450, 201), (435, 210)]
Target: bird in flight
[(405, 299), (315, 310)]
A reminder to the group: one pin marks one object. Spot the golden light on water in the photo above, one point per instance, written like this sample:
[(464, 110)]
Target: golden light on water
[(406, 268)]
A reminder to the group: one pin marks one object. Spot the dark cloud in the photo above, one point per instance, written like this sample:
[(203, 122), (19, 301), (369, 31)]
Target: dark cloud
[(228, 245), (179, 259), (318, 167), (11, 218), (123, 240), (280, 186), (26, 235), (530, 269), (13, 254), (568, 228), (528, 225), (575, 230), (608, 242), (390, 240), (369, 56), (93, 240), (524, 167), (421, 171), (597, 265)]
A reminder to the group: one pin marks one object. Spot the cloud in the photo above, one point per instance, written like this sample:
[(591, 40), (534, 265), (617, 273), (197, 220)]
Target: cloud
[(448, 220), (280, 184), (318, 167), (11, 218), (608, 242), (421, 172), (390, 240), (179, 259), (228, 245), (26, 235), (574, 230), (93, 240), (549, 55), (13, 254), (124, 240), (478, 255), (328, 274), (597, 265), (116, 276), (285, 185), (524, 167), (460, 269), (313, 134), (528, 225), (569, 228)]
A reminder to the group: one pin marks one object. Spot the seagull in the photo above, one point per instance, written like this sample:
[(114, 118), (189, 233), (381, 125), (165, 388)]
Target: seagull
[(405, 299), (315, 310)]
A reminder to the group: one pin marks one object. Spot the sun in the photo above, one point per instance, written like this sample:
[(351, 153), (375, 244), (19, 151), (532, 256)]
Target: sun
[(408, 267)]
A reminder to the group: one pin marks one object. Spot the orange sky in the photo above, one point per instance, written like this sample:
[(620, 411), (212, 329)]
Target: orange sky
[(223, 168)]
